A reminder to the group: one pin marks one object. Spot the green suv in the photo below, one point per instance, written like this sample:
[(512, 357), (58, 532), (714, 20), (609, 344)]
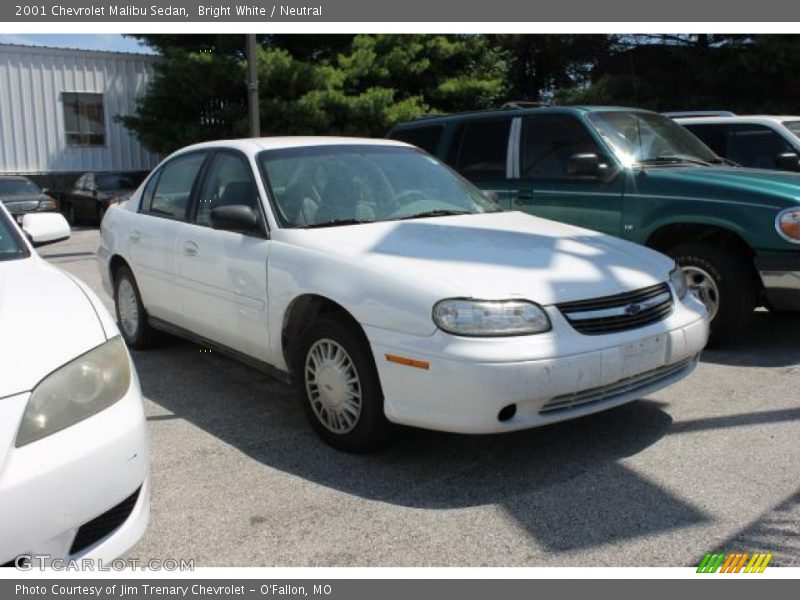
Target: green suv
[(638, 175)]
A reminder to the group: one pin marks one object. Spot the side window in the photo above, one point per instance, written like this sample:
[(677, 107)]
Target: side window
[(548, 142), (148, 193), (228, 181), (426, 137), (480, 148), (80, 184), (755, 146), (713, 136), (175, 184)]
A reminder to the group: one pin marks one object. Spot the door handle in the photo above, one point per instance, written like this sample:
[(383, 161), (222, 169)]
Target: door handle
[(135, 236), (524, 197), (190, 248)]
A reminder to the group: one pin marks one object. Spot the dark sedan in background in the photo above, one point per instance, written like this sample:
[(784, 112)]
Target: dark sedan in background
[(93, 193), (21, 195)]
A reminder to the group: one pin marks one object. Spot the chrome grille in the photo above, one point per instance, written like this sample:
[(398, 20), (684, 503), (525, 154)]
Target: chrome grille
[(620, 312), (614, 390)]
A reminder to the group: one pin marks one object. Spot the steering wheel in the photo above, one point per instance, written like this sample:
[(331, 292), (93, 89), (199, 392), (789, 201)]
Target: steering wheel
[(395, 203)]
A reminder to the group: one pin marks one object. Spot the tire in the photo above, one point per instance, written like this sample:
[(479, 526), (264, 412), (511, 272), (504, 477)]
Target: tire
[(730, 277), (131, 314), (330, 351), (69, 214)]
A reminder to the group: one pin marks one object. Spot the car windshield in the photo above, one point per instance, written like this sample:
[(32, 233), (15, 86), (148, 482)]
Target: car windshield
[(345, 184), (793, 126), (18, 187), (110, 182), (646, 138), (11, 246)]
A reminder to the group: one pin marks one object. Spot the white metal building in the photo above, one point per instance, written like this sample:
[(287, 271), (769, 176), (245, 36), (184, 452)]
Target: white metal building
[(58, 109)]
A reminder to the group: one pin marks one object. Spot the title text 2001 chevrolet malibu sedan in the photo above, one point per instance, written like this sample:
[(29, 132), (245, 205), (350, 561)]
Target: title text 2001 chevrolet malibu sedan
[(391, 290)]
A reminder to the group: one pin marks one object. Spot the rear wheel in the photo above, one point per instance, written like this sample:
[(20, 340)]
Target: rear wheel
[(338, 385), (69, 214), (724, 280), (131, 314)]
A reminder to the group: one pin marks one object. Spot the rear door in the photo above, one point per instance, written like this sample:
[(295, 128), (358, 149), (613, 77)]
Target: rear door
[(222, 275), (153, 236), (547, 189)]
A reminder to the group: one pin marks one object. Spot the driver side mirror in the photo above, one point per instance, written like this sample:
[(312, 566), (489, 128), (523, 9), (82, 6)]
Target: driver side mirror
[(788, 161), (238, 218), (584, 165), (45, 228)]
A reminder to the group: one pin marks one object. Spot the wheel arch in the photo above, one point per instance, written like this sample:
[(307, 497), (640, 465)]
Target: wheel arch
[(669, 235)]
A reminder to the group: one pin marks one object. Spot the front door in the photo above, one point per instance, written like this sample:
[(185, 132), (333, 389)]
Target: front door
[(222, 275), (547, 188)]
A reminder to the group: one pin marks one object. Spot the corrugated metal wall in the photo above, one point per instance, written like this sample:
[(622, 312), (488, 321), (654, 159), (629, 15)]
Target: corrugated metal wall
[(32, 136)]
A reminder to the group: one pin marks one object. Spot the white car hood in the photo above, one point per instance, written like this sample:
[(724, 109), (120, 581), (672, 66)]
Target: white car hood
[(46, 320), (493, 255)]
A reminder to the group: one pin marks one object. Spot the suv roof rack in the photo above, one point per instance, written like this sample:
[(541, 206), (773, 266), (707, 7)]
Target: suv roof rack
[(524, 104), (699, 113)]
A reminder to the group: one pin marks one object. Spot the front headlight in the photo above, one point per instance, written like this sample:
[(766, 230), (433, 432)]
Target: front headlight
[(787, 224), (76, 391), (47, 205), (677, 279), (490, 317)]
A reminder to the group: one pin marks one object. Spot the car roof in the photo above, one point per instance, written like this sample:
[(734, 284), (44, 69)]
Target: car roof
[(738, 119), (515, 112), (255, 145)]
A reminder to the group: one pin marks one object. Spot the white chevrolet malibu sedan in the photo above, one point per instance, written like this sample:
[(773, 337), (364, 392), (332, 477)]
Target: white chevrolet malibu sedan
[(390, 290), (73, 446)]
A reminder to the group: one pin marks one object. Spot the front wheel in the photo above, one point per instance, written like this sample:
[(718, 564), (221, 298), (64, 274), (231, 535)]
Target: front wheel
[(338, 385), (723, 279)]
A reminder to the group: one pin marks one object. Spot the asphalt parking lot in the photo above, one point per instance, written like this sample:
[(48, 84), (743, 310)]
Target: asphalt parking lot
[(239, 479)]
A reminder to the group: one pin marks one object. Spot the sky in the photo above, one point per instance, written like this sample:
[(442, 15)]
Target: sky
[(108, 42)]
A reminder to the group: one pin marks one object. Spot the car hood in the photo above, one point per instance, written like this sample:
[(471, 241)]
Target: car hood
[(492, 256), (46, 320), (758, 183)]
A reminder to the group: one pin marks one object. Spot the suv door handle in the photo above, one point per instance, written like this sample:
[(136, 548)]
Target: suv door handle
[(134, 236), (524, 197), (190, 248)]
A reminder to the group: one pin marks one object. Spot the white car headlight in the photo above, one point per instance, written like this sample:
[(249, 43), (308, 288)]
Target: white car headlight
[(490, 317), (787, 224), (76, 391), (677, 279)]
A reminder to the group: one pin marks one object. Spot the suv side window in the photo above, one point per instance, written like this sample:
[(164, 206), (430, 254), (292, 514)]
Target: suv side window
[(713, 136), (755, 146), (149, 192), (480, 148), (548, 142), (174, 187), (228, 181), (426, 137)]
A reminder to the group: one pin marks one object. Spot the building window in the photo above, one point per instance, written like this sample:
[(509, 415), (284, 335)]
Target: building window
[(84, 119)]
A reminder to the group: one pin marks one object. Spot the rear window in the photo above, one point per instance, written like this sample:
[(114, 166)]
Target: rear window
[(427, 137), (480, 148)]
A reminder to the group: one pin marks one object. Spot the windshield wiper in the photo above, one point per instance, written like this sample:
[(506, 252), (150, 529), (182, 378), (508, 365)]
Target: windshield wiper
[(439, 212), (335, 222), (672, 158)]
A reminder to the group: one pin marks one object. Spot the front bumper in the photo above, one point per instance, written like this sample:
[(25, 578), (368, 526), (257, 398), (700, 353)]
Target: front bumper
[(548, 377), (49, 489), (781, 278)]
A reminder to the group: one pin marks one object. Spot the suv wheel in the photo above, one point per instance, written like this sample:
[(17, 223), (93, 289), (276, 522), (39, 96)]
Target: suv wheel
[(131, 315), (724, 281), (338, 385)]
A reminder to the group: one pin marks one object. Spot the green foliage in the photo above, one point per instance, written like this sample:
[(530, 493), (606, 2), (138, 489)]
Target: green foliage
[(374, 82)]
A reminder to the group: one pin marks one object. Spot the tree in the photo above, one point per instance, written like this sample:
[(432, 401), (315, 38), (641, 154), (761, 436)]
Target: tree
[(345, 85)]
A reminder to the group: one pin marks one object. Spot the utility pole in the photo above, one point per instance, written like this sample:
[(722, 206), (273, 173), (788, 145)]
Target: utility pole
[(252, 86)]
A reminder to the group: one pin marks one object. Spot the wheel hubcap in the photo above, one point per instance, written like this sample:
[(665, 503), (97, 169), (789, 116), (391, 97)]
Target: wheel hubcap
[(702, 284), (128, 307), (333, 386)]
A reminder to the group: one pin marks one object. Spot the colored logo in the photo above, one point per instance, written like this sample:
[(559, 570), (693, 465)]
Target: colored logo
[(736, 562), (633, 309)]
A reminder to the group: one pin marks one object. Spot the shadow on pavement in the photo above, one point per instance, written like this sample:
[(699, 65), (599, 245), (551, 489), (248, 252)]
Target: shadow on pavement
[(563, 483), (770, 341)]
